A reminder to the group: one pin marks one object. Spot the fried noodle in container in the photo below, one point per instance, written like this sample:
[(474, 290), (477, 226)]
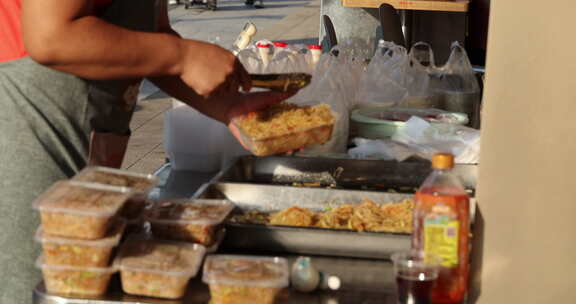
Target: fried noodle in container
[(285, 127), (140, 184), (84, 253), (75, 280), (196, 221), (236, 279), (80, 210), (157, 268)]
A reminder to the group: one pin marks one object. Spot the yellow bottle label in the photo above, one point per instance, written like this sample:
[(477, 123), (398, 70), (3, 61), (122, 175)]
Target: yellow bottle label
[(441, 238)]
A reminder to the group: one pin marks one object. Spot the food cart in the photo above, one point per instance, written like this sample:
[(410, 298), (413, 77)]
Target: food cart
[(360, 260)]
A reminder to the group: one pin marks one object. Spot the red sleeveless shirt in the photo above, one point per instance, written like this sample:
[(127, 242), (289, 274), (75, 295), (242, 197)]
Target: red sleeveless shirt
[(11, 44)]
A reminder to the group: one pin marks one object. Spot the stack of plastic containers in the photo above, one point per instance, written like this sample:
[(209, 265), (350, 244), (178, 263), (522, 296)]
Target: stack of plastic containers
[(80, 227)]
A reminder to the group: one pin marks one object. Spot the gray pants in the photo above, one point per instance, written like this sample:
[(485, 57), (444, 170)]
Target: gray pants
[(46, 117), (43, 138)]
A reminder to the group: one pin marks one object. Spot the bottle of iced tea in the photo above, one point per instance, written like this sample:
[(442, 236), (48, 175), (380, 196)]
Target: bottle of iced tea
[(441, 228)]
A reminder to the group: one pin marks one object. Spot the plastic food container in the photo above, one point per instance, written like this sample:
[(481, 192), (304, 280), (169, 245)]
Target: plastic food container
[(75, 280), (85, 253), (383, 122), (80, 210), (297, 131), (196, 221), (140, 184), (236, 279), (157, 268)]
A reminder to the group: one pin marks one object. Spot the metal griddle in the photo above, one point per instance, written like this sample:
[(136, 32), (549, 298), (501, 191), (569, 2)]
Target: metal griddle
[(377, 175), (331, 242)]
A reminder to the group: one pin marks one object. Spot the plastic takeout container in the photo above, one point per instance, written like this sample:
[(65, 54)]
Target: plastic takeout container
[(245, 279), (292, 139), (158, 268), (75, 280), (140, 184), (80, 210), (384, 122), (84, 253), (196, 221)]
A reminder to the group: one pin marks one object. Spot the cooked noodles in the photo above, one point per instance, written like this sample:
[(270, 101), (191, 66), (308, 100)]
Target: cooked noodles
[(367, 216)]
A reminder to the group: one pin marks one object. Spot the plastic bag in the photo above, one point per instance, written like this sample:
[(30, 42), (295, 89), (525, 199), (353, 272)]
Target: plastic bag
[(383, 82), (335, 82), (458, 86), (426, 139), (417, 80)]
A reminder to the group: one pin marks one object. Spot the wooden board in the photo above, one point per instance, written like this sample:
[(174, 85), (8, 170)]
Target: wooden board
[(419, 5)]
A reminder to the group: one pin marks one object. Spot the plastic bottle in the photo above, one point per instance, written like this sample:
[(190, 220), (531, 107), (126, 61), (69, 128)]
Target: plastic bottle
[(264, 52), (304, 277), (244, 38), (442, 227), (315, 52)]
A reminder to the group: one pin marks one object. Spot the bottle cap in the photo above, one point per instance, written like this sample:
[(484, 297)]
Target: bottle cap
[(263, 45), (314, 47), (443, 161), (280, 44)]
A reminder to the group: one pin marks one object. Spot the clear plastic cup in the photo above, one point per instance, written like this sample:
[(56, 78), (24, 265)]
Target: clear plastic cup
[(416, 273)]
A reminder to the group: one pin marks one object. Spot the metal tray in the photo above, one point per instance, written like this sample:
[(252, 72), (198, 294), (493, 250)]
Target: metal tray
[(304, 240), (375, 175)]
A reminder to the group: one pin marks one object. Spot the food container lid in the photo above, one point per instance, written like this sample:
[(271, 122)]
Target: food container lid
[(145, 254), (190, 212), (242, 270), (140, 183), (82, 198), (398, 116), (280, 44), (100, 270), (111, 240)]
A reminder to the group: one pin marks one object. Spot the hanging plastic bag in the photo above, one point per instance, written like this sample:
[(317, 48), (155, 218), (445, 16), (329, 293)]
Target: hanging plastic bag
[(335, 82), (458, 86), (383, 82), (417, 80)]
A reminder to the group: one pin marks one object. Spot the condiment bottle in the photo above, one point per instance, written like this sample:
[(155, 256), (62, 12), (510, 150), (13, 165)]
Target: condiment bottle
[(315, 52), (442, 226), (264, 52), (244, 38), (306, 278)]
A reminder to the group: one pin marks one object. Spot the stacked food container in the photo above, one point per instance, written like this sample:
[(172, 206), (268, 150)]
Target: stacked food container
[(80, 227), (85, 219)]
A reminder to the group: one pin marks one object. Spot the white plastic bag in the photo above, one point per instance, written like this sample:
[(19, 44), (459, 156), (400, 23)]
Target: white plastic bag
[(427, 139), (335, 82), (417, 79), (458, 86), (383, 82)]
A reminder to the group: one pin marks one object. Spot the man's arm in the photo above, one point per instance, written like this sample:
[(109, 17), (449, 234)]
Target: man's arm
[(64, 35)]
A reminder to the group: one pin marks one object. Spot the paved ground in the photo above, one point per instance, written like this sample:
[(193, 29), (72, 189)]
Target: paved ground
[(293, 21)]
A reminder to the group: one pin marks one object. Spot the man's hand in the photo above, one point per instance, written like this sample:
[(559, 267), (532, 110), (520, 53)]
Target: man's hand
[(211, 70)]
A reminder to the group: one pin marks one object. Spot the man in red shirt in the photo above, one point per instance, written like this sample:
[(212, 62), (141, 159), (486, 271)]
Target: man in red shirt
[(74, 70), (12, 46)]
